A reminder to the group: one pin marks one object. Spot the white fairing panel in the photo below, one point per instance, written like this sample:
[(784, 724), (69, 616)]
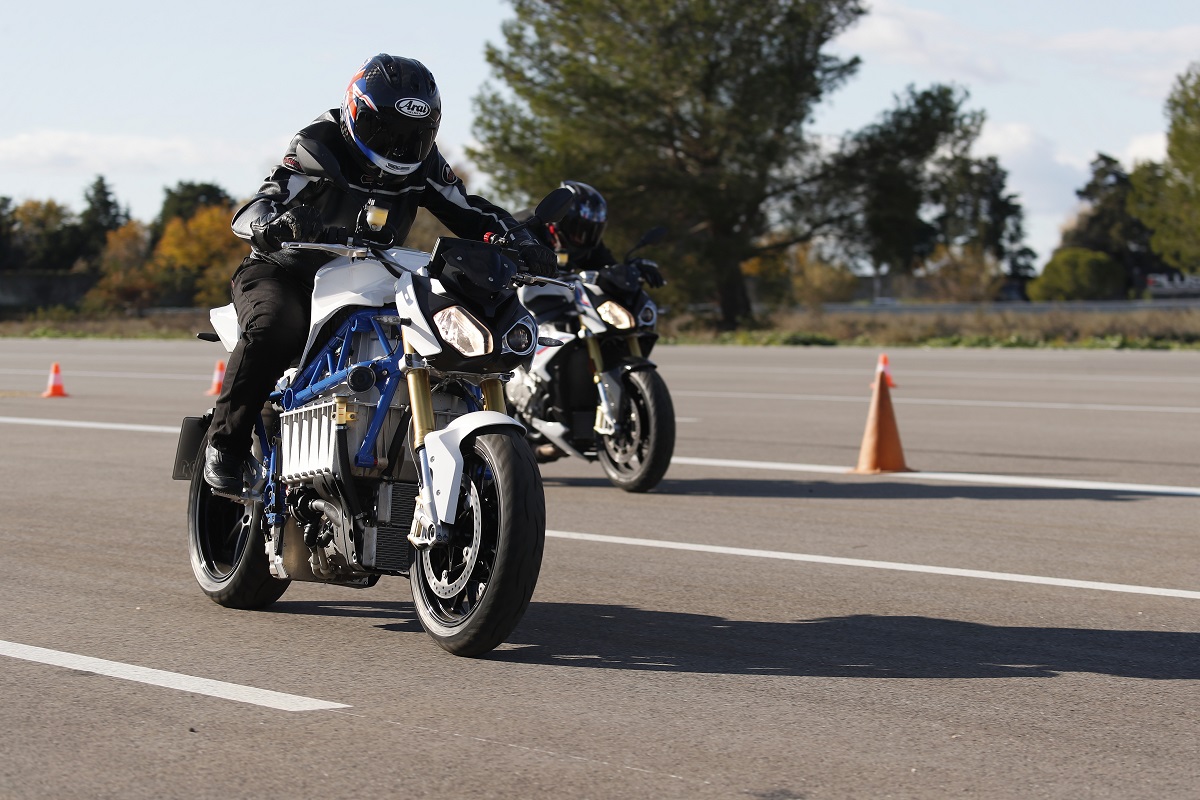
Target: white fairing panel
[(446, 460), (225, 323), (364, 282)]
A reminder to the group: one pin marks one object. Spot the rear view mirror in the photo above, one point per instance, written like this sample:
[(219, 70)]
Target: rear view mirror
[(554, 205), (318, 160)]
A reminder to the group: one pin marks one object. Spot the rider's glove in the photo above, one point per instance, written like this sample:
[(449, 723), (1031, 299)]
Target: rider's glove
[(650, 272), (537, 258), (299, 224)]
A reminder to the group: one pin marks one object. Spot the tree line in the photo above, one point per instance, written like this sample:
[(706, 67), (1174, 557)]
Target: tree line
[(697, 114)]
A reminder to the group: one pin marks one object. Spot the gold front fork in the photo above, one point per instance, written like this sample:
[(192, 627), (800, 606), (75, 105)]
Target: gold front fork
[(493, 395), (421, 400), (635, 345)]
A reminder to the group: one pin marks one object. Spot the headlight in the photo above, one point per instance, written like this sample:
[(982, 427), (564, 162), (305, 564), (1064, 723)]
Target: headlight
[(649, 313), (459, 329), (520, 338), (615, 315)]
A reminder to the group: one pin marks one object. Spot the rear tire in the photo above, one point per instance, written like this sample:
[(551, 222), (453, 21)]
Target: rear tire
[(638, 456), (471, 593), (227, 543)]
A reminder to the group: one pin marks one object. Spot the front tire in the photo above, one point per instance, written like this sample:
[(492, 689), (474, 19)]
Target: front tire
[(227, 544), (637, 456), (471, 593)]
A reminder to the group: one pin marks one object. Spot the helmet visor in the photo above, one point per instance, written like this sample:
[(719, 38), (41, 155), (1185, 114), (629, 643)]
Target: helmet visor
[(403, 144)]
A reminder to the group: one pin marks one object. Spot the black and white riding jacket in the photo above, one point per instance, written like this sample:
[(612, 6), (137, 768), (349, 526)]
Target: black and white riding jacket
[(433, 185)]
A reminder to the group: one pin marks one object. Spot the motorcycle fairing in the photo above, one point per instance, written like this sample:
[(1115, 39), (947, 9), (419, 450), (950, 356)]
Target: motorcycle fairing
[(359, 282), (444, 448)]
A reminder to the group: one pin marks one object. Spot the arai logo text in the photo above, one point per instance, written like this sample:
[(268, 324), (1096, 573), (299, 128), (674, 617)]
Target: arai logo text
[(412, 107)]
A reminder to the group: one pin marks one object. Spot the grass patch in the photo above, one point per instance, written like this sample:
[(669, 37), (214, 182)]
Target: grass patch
[(1167, 329)]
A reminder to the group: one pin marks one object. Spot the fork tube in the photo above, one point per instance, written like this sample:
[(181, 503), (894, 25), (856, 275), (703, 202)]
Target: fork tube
[(593, 346), (635, 345), (420, 398), (493, 395)]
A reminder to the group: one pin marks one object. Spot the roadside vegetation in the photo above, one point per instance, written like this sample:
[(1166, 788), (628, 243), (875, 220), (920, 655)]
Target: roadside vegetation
[(1150, 329)]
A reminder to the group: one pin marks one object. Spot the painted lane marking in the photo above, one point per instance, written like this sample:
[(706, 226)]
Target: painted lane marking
[(917, 401), (779, 466), (83, 373), (102, 426), (889, 565), (953, 477), (937, 373), (168, 680)]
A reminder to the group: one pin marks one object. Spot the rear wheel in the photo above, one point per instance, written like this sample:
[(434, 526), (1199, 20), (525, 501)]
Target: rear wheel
[(471, 593), (227, 543), (636, 457)]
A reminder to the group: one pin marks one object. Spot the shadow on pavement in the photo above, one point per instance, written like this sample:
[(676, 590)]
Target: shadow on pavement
[(580, 635), (874, 489)]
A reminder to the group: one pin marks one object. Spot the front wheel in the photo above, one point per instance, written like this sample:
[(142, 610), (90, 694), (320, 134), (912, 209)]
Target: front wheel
[(470, 593), (636, 457), (227, 543)]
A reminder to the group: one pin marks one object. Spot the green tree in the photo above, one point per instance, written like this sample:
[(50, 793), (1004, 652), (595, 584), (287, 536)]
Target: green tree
[(977, 216), (883, 177), (1074, 273), (8, 232), (183, 201), (1166, 197), (45, 236), (1108, 225), (690, 113), (101, 215)]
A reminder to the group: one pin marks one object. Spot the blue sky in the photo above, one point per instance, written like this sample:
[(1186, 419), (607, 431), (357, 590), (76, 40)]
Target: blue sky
[(151, 93)]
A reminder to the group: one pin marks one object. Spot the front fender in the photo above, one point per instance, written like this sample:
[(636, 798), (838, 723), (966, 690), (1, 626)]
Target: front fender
[(444, 448)]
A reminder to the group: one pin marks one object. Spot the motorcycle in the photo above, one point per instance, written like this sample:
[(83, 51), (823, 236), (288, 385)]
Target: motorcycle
[(388, 451), (598, 397)]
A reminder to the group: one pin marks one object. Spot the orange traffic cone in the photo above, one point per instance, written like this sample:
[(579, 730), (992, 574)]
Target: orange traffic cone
[(881, 450), (54, 388), (218, 379), (885, 368)]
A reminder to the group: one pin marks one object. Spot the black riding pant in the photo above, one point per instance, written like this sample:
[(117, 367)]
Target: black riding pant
[(272, 306)]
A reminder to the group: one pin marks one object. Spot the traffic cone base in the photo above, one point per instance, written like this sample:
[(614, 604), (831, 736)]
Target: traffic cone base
[(218, 379), (881, 450)]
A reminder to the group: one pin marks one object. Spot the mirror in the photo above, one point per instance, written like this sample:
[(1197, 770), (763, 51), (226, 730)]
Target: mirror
[(652, 236), (317, 159), (554, 205)]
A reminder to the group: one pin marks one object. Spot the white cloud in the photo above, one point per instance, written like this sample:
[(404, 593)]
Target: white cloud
[(1149, 60), (1040, 173), (75, 151), (901, 35), (1145, 147)]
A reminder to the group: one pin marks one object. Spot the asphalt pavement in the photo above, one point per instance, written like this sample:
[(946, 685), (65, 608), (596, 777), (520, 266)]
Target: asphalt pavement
[(1019, 617)]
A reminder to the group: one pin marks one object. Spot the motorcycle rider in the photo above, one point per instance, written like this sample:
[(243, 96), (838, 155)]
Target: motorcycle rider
[(578, 236), (378, 145), (578, 239)]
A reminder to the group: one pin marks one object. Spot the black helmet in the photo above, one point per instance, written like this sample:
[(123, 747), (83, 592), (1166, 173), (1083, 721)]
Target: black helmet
[(583, 225), (391, 113)]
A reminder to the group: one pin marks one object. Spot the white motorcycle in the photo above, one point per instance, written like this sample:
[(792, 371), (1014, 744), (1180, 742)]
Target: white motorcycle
[(599, 397), (388, 451)]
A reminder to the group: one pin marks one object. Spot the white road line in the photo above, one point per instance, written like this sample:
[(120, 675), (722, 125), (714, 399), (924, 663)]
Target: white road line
[(869, 367), (891, 565), (953, 477), (169, 680), (84, 373), (931, 401), (101, 426), (778, 466)]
